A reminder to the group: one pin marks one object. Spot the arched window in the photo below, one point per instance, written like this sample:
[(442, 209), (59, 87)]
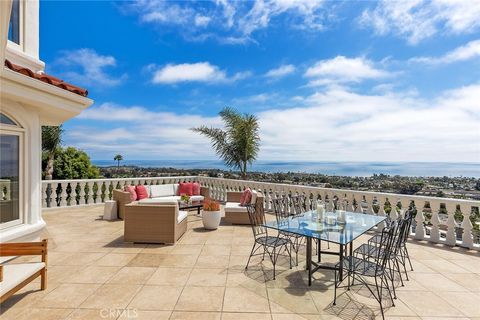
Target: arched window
[(11, 172)]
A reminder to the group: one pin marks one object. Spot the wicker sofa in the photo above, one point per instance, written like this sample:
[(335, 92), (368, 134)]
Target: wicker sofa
[(160, 222), (157, 194), (236, 214)]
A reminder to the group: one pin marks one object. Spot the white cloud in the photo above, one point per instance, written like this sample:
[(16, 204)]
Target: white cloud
[(88, 68), (194, 72), (231, 22), (281, 71), (342, 125), (202, 21), (469, 51), (417, 20), (343, 70), (335, 125)]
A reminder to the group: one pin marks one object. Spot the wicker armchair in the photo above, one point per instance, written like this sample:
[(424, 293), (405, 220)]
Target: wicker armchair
[(154, 223), (235, 214)]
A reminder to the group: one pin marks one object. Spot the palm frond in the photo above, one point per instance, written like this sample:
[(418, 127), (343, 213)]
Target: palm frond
[(51, 138), (239, 143)]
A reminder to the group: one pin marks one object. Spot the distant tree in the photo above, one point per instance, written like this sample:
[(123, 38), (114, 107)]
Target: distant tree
[(51, 142), (239, 143), (71, 163), (118, 158), (440, 194)]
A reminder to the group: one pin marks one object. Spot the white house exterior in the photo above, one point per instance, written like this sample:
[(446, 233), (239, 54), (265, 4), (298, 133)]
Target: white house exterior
[(28, 99)]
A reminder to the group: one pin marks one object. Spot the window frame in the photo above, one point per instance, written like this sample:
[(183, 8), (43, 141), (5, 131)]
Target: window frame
[(21, 15), (16, 130)]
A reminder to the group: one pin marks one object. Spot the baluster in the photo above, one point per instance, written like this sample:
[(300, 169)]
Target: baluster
[(451, 239), (63, 194), (405, 205), (435, 221), (467, 238), (420, 220), (81, 201), (393, 213), (44, 195), (92, 194)]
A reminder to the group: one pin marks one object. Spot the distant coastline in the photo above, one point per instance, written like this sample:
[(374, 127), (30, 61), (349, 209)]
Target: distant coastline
[(352, 169)]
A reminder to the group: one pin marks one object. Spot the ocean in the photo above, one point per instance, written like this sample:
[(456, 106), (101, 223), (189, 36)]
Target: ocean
[(361, 169)]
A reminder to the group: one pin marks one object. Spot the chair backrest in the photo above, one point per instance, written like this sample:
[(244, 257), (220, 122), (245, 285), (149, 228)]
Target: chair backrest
[(299, 204), (386, 245), (280, 207), (257, 221), (407, 226)]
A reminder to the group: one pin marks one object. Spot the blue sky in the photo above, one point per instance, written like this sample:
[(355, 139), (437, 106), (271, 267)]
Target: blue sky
[(344, 81)]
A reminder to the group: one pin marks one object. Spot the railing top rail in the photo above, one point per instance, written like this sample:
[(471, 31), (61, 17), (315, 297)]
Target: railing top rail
[(118, 179)]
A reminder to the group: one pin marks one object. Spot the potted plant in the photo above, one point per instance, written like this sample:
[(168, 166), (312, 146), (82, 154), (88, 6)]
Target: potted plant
[(185, 198), (211, 214)]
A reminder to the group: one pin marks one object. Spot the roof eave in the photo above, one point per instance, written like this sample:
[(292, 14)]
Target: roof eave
[(54, 104)]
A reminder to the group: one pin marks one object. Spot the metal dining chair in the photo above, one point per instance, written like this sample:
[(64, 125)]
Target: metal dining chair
[(374, 266), (273, 246), (280, 207)]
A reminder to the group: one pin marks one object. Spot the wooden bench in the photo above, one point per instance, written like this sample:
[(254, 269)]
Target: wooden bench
[(14, 276)]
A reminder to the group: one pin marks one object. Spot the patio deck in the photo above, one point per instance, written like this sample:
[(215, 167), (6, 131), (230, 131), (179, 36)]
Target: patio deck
[(93, 274)]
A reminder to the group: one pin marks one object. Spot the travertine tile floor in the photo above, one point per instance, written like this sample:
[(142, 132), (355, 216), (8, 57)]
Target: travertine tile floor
[(93, 274)]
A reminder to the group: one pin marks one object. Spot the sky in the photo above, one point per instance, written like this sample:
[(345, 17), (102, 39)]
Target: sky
[(328, 80)]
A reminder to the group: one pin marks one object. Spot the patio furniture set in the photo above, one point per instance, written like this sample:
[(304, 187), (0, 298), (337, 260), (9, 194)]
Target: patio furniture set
[(374, 264), (158, 213)]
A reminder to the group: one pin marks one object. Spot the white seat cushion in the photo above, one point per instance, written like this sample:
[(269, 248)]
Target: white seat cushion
[(235, 207), (182, 215), (161, 190), (160, 200), (14, 274), (197, 198)]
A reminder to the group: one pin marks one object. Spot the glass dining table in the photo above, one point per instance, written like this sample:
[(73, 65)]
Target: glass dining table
[(327, 229)]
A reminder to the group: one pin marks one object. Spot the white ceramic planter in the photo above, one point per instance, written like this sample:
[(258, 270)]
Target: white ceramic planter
[(211, 219)]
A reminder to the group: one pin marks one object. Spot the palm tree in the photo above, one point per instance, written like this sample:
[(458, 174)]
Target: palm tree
[(239, 143), (118, 158), (51, 141)]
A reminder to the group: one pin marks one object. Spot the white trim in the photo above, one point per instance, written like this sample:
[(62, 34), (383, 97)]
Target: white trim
[(24, 232), (14, 54)]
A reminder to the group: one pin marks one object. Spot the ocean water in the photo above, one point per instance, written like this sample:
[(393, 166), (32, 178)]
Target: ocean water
[(361, 169)]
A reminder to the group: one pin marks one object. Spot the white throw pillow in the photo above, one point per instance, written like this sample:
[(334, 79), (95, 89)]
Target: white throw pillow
[(254, 197), (161, 190)]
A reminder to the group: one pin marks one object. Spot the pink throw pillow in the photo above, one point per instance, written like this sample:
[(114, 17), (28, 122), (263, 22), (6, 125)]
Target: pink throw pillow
[(185, 188), (196, 188), (133, 193), (246, 197), (141, 192)]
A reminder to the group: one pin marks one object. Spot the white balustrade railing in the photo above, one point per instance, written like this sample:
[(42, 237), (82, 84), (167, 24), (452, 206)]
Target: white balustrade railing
[(65, 193), (428, 224), (436, 220)]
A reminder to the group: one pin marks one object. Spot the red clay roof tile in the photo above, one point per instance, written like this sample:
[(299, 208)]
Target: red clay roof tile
[(47, 79)]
